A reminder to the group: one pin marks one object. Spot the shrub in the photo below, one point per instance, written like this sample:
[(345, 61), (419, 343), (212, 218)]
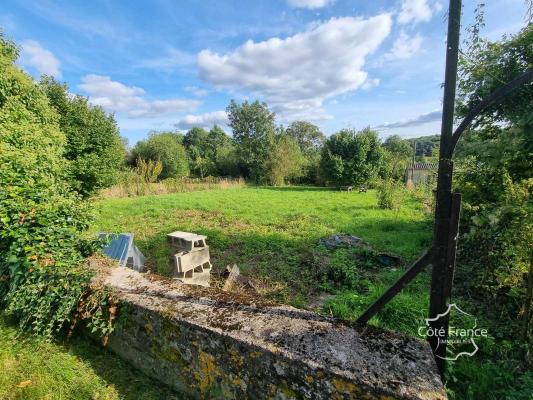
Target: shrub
[(136, 182), (167, 148), (285, 161), (351, 158), (41, 220), (390, 194)]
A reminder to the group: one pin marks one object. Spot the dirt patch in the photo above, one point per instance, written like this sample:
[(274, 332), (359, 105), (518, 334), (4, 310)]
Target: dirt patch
[(316, 302)]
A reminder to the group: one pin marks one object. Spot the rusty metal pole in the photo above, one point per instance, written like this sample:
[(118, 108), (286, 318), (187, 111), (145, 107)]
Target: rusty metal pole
[(443, 265)]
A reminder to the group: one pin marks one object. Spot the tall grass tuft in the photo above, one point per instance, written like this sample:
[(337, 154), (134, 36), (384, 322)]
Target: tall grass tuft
[(141, 181)]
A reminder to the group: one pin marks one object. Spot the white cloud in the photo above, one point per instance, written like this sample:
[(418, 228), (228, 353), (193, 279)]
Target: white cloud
[(118, 97), (421, 119), (370, 83), (296, 74), (204, 120), (197, 91), (36, 56), (311, 4), (414, 11), (404, 47)]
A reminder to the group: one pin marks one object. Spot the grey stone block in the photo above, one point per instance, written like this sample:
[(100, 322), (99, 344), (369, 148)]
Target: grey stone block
[(190, 261)]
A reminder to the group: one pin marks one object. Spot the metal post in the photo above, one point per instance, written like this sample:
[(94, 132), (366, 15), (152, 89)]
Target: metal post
[(448, 205), (442, 275)]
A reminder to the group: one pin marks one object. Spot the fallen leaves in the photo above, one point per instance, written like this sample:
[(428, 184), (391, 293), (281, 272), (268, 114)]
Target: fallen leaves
[(24, 384)]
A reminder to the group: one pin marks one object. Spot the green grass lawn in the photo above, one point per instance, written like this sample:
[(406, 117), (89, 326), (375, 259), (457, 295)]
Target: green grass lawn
[(272, 235), (266, 220), (81, 370)]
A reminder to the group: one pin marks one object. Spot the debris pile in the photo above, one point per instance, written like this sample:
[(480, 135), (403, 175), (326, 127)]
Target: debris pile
[(342, 240), (346, 241), (236, 281)]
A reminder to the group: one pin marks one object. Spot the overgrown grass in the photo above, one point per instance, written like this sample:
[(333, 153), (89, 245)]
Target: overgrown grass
[(270, 233), (132, 184), (31, 368)]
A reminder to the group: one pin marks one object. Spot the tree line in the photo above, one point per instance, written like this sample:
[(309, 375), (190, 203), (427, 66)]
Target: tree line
[(266, 153), (258, 150)]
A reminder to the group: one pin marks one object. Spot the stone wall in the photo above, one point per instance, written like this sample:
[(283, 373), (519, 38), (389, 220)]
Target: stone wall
[(211, 344)]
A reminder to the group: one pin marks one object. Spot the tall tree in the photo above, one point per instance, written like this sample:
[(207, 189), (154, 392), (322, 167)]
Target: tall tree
[(216, 139), (221, 149), (307, 135), (310, 140), (94, 147), (197, 146), (286, 160), (196, 137), (253, 131), (398, 152), (350, 157)]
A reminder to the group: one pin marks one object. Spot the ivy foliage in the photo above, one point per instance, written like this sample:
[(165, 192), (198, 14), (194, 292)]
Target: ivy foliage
[(41, 219)]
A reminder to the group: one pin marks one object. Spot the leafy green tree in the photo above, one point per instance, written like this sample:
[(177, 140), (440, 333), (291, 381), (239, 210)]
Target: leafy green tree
[(196, 137), (254, 135), (395, 144), (200, 156), (427, 147), (286, 160), (351, 158), (221, 149), (94, 147), (41, 219), (310, 140), (217, 138), (166, 147), (397, 155), (307, 135)]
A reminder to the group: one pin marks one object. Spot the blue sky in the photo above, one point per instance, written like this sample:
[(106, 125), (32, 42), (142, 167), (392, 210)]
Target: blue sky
[(163, 64)]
